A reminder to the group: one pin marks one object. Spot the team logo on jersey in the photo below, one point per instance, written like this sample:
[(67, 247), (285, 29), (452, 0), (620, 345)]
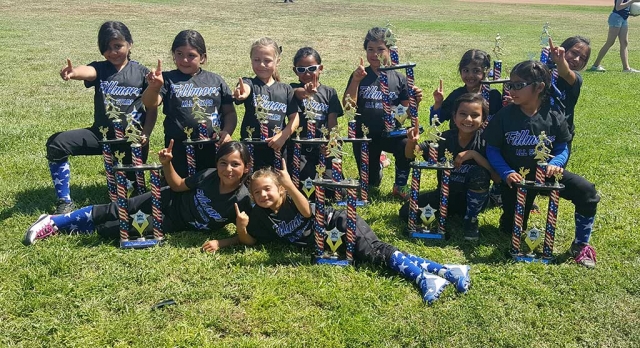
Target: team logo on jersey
[(113, 88), (204, 209), (271, 105), (188, 90), (524, 138)]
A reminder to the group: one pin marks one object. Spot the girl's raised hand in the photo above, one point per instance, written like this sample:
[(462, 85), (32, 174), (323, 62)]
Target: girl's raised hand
[(67, 72), (360, 72), (556, 53), (241, 92), (166, 155), (154, 77), (438, 95), (285, 178), (242, 219), (312, 87)]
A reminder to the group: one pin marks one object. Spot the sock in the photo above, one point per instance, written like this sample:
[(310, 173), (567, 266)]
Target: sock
[(475, 202), (78, 220), (456, 274), (402, 176), (60, 174), (427, 265), (584, 225), (403, 265)]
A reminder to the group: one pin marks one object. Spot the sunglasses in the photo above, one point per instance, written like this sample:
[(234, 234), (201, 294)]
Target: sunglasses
[(516, 85), (304, 69)]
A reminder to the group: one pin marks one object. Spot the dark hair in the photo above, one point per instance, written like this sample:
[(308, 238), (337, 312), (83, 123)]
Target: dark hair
[(574, 40), (233, 146), (472, 98), (113, 31), (305, 52), (479, 57), (536, 72), (376, 34), (268, 42), (193, 39)]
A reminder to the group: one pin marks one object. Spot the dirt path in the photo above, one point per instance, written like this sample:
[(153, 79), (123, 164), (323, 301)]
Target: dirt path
[(551, 2)]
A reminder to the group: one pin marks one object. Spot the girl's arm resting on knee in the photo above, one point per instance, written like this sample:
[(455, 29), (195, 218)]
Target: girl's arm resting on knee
[(498, 163), (484, 163)]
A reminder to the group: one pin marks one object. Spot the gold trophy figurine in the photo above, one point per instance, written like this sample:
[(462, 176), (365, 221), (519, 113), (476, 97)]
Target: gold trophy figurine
[(250, 131), (104, 131)]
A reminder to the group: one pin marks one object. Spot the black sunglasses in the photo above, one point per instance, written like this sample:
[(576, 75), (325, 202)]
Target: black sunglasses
[(516, 85), (304, 69)]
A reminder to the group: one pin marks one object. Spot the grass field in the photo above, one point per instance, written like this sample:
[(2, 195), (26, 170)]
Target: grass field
[(83, 291)]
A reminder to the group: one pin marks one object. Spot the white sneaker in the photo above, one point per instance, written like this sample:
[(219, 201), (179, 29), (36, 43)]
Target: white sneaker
[(599, 68), (631, 70), (41, 229)]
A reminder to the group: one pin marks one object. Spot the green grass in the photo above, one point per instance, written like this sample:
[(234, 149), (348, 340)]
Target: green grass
[(83, 291)]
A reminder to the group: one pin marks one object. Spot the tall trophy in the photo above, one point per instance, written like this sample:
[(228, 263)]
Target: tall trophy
[(485, 89), (262, 114), (427, 213), (534, 237), (140, 220), (394, 117), (545, 58), (116, 116)]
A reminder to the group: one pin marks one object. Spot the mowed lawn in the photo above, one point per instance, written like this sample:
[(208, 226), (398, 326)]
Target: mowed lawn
[(83, 291)]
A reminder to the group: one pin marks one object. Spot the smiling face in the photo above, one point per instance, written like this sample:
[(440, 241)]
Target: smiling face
[(117, 53), (528, 95), (471, 74), (577, 56), (188, 59), (267, 192), (376, 49), (231, 169), (264, 62), (468, 117), (306, 62)]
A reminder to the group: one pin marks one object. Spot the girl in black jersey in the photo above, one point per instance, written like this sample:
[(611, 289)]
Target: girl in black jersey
[(177, 90), (473, 68), (276, 99), (317, 102), (207, 200), (512, 137), (283, 214), (118, 78), (469, 181)]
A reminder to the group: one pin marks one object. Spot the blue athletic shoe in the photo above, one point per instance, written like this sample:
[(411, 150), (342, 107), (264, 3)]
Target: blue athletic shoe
[(458, 275), (431, 286)]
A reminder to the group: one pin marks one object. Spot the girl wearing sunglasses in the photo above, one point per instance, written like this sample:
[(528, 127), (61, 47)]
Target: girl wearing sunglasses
[(512, 136), (317, 102)]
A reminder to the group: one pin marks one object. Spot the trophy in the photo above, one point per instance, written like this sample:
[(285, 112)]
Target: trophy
[(262, 115), (115, 115), (200, 114), (533, 236), (427, 214), (485, 89), (334, 237), (545, 59), (393, 126), (139, 220)]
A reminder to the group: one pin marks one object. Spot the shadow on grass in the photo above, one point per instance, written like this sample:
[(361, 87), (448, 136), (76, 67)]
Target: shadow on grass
[(43, 200)]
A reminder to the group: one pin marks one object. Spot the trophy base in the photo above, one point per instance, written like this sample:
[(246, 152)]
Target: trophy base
[(319, 260), (399, 132), (398, 66), (359, 203), (355, 140), (113, 141), (490, 82), (201, 141), (347, 184), (133, 168), (315, 141), (532, 185), (426, 234), (532, 258), (427, 165), (140, 243)]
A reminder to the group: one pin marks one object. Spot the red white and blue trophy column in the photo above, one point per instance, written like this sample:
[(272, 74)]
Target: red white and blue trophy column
[(115, 115), (200, 114), (423, 229), (534, 237)]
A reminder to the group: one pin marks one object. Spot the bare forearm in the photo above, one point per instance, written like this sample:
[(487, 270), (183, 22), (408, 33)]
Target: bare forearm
[(244, 237), (176, 183)]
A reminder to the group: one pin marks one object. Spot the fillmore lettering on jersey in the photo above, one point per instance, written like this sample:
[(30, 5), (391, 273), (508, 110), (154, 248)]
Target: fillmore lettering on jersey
[(284, 228), (523, 138), (372, 92), (206, 211), (112, 88), (188, 90), (273, 105), (315, 105)]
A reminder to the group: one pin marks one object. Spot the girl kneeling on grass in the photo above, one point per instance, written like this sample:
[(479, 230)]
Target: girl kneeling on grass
[(279, 216), (469, 181), (204, 201), (512, 136)]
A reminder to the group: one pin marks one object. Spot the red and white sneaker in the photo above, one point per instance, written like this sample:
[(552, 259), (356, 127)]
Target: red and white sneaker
[(41, 229)]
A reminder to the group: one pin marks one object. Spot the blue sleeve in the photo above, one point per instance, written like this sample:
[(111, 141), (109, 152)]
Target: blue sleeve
[(560, 154), (498, 163)]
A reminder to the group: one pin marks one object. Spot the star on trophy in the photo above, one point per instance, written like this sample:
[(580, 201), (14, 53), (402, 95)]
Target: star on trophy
[(140, 222), (533, 239), (334, 240)]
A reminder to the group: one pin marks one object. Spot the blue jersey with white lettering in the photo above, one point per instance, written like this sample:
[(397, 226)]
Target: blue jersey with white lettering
[(178, 94), (288, 224), (124, 90)]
